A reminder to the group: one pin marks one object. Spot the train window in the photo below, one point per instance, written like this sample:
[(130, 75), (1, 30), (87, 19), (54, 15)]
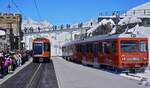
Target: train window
[(95, 49), (143, 46), (78, 48), (83, 48), (69, 48), (90, 48), (87, 48), (106, 48), (73, 48), (113, 46), (37, 48), (100, 47), (129, 46), (46, 46)]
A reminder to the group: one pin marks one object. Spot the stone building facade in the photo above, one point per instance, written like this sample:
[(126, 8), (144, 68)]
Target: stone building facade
[(10, 23)]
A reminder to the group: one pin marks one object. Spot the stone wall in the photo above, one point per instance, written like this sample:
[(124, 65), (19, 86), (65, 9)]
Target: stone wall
[(11, 24)]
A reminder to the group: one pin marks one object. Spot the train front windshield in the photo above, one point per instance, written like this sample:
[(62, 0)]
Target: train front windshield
[(133, 46), (37, 47)]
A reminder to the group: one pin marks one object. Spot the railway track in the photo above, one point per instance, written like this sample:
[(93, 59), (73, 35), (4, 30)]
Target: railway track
[(35, 75)]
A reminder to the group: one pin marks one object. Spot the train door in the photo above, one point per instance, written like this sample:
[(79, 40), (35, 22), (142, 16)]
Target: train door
[(95, 54), (78, 55), (84, 53), (47, 50), (109, 52), (100, 52), (106, 52), (90, 56)]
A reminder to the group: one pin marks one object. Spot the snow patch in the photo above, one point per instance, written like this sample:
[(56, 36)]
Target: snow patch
[(35, 24), (103, 22), (129, 20), (90, 23), (143, 78)]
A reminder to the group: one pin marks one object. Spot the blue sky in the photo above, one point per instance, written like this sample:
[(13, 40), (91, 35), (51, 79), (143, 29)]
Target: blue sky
[(69, 11)]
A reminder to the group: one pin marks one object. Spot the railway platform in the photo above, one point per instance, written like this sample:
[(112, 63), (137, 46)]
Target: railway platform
[(72, 75), (64, 74)]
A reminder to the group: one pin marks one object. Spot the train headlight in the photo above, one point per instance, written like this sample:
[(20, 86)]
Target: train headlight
[(123, 58), (145, 58)]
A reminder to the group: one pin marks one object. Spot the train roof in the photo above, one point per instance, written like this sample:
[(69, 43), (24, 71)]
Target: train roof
[(104, 37), (41, 39)]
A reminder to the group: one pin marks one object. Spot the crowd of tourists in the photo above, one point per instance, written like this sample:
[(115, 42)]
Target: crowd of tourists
[(9, 61)]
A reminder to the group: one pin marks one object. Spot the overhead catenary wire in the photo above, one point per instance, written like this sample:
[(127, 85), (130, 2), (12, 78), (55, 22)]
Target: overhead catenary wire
[(17, 7), (9, 6), (37, 10), (13, 9)]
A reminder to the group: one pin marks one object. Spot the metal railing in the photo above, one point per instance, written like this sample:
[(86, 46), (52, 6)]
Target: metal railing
[(144, 12)]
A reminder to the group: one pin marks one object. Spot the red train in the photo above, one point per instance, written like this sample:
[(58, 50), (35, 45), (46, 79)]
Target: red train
[(41, 50), (120, 52)]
